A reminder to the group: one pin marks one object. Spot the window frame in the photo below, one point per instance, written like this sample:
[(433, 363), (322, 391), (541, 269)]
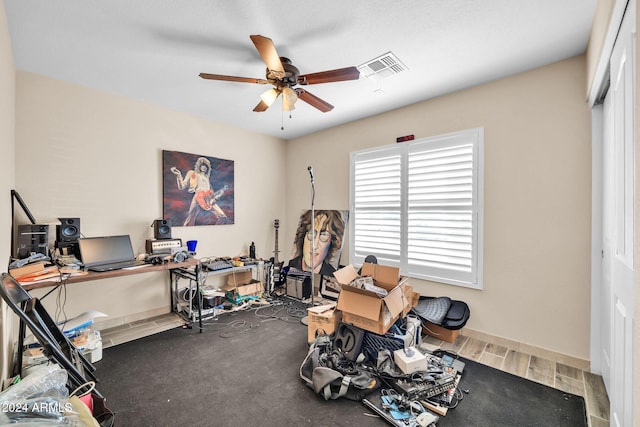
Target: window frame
[(470, 137)]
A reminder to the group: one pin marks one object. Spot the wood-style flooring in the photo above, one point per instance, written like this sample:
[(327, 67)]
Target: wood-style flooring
[(544, 367)]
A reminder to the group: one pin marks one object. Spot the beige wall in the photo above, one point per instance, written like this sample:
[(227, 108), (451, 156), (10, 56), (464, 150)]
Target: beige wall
[(100, 156), (537, 197), (7, 146), (88, 154)]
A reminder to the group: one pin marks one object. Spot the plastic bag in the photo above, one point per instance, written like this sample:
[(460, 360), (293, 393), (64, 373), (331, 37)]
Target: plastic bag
[(40, 399)]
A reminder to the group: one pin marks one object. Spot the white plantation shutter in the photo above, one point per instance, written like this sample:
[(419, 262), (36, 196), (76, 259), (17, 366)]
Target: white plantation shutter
[(418, 206), (440, 209), (377, 203)]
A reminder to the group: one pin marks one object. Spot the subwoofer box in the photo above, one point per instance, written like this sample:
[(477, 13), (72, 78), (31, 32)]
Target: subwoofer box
[(348, 338)]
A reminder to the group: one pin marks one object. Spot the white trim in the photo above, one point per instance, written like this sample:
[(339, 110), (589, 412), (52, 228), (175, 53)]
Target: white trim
[(597, 118), (598, 85), (600, 76), (621, 400)]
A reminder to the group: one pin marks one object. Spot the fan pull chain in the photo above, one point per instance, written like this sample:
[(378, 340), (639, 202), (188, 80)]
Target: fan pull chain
[(282, 118)]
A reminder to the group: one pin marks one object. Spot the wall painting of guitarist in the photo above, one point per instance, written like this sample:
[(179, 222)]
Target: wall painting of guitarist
[(197, 189)]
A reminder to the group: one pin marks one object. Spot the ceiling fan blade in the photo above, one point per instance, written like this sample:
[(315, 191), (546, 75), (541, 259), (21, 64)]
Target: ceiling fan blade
[(267, 51), (262, 106), (314, 101), (233, 78), (341, 74)]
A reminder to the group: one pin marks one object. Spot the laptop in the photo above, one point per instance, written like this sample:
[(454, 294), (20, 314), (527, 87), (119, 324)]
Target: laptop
[(107, 253)]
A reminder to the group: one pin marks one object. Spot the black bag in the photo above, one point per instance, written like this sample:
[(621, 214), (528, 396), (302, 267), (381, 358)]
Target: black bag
[(457, 315), (332, 375)]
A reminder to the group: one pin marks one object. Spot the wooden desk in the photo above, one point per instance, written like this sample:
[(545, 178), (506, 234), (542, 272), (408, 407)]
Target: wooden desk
[(171, 267), (92, 275)]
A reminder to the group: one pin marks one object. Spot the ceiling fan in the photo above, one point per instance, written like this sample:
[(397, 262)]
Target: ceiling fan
[(284, 76)]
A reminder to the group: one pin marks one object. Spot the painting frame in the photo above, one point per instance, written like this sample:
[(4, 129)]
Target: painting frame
[(197, 189), (329, 287)]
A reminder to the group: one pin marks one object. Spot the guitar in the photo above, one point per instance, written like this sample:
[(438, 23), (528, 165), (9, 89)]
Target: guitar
[(275, 272), (206, 199)]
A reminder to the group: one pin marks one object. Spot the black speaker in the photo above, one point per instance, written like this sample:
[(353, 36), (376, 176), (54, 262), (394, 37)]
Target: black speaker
[(348, 339), (68, 230), (162, 229)]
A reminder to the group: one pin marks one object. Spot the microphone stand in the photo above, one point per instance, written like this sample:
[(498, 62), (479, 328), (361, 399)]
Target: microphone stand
[(313, 235), (305, 319)]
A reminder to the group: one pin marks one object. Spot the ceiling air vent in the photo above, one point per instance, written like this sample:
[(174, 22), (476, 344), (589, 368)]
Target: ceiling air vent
[(382, 67)]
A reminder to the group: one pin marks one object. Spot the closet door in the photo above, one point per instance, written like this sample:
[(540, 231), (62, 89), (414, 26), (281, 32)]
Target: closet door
[(618, 217)]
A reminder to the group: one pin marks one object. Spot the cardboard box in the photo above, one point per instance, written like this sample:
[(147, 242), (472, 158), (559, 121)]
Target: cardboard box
[(322, 319), (241, 286), (410, 294), (437, 331), (27, 269), (366, 309)]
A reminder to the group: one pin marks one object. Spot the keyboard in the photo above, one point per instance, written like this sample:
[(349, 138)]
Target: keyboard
[(418, 390), (116, 265), (218, 265)]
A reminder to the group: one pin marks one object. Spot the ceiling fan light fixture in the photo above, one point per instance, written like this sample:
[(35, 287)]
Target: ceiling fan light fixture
[(269, 96), (289, 98)]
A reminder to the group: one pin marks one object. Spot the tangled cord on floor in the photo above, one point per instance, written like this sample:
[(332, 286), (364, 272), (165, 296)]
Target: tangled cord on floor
[(264, 310), (230, 329), (237, 327), (292, 313)]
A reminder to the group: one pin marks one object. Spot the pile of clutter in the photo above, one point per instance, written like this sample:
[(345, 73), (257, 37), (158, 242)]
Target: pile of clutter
[(43, 399), (239, 291), (368, 346), (79, 330)]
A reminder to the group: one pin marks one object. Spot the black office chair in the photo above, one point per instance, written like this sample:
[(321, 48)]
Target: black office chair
[(56, 346)]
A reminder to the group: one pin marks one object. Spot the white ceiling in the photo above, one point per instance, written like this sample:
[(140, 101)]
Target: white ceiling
[(153, 50)]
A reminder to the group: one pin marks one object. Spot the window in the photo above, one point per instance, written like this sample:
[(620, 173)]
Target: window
[(418, 206)]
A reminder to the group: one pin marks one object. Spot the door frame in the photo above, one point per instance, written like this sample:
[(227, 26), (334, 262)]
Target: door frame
[(597, 244), (597, 90)]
